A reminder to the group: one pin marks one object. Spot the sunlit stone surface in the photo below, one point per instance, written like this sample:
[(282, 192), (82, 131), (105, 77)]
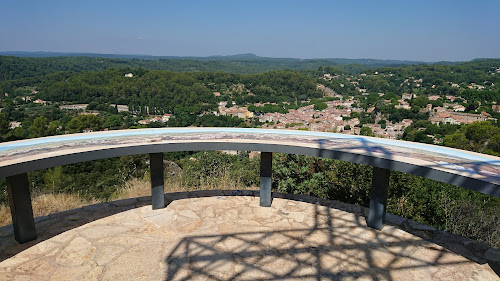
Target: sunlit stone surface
[(227, 237)]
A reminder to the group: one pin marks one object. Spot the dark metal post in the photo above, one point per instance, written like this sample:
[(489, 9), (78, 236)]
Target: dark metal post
[(266, 170), (20, 208), (157, 188), (378, 198)]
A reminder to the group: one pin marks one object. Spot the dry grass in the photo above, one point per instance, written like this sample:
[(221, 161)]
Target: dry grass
[(134, 188), (46, 204), (138, 188), (52, 203), (5, 217)]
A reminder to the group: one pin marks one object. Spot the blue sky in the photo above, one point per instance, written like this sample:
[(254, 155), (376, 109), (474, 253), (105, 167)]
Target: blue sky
[(412, 30)]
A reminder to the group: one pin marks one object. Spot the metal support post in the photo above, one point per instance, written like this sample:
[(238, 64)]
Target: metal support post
[(157, 186), (378, 198), (266, 170), (20, 208)]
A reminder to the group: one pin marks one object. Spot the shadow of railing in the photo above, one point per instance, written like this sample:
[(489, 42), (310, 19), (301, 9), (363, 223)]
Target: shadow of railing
[(333, 248), (341, 252)]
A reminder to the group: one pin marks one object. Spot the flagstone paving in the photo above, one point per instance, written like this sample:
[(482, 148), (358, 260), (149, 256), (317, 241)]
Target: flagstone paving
[(230, 237)]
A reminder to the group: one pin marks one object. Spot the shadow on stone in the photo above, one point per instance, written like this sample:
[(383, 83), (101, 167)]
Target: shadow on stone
[(278, 254)]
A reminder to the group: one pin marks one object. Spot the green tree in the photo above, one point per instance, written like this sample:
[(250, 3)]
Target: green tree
[(320, 106), (366, 131), (39, 128), (4, 126), (114, 121), (480, 137), (480, 134), (85, 123)]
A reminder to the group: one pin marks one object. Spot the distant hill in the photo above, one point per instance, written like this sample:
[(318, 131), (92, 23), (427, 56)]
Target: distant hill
[(238, 57), (19, 65)]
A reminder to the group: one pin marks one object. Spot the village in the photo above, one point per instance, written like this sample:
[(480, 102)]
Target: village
[(339, 113), (338, 117)]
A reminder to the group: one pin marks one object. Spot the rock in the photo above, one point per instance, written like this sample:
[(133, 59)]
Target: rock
[(101, 231), (92, 275), (132, 264), (107, 254), (189, 213), (13, 262), (164, 218), (70, 273), (77, 252)]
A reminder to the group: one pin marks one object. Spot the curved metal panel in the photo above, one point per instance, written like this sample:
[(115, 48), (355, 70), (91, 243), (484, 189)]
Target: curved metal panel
[(471, 170)]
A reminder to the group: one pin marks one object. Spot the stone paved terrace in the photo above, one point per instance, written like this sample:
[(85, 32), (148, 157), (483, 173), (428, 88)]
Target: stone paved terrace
[(212, 235)]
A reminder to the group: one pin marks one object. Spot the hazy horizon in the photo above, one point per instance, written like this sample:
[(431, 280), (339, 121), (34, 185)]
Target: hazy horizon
[(427, 31)]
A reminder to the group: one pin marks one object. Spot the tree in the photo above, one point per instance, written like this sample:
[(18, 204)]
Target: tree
[(480, 137), (320, 106), (4, 125), (480, 133), (114, 121), (40, 127), (85, 123), (366, 131), (457, 140)]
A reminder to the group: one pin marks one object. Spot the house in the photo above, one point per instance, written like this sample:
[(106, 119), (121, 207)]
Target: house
[(427, 108), (165, 117), (456, 118), (406, 96), (81, 106), (39, 101), (129, 75), (120, 107), (14, 124), (253, 154), (89, 113), (156, 119), (403, 104)]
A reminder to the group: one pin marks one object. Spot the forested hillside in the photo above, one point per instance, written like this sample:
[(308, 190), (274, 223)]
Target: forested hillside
[(13, 67)]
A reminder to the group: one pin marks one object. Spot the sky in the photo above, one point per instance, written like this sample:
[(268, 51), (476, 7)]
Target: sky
[(424, 30)]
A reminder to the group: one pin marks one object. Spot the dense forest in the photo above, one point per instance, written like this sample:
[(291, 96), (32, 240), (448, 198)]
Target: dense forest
[(14, 67)]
